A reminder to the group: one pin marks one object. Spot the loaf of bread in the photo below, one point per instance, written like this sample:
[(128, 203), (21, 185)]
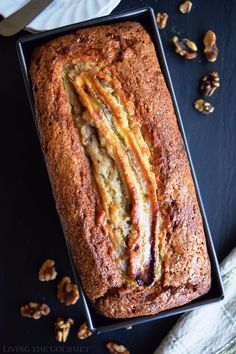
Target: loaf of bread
[(119, 170)]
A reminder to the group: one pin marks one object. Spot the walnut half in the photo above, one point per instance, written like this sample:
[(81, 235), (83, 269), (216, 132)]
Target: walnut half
[(34, 310), (47, 271), (203, 106), (84, 331), (209, 83), (67, 292), (114, 348), (185, 7), (184, 47), (211, 51), (62, 328), (162, 20)]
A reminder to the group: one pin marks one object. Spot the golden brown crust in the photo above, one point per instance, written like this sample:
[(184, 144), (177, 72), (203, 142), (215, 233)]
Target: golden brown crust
[(175, 256)]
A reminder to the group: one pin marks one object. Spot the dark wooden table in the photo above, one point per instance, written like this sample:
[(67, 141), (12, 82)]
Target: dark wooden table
[(30, 228)]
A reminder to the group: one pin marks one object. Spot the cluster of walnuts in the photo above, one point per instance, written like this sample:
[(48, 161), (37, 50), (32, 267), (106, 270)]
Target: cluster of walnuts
[(68, 294), (188, 50)]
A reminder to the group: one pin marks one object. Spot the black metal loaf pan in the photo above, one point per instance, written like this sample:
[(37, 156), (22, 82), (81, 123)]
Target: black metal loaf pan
[(146, 17)]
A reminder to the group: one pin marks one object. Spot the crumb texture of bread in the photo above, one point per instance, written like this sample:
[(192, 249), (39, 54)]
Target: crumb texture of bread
[(119, 170)]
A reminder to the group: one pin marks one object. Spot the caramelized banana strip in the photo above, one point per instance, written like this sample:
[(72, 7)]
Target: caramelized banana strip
[(137, 146), (141, 214)]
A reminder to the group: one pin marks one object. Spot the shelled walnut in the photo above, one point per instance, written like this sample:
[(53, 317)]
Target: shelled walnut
[(114, 348), (209, 83), (184, 47), (62, 328), (211, 51), (67, 292), (162, 20), (185, 7), (203, 106), (34, 310), (47, 271), (84, 331)]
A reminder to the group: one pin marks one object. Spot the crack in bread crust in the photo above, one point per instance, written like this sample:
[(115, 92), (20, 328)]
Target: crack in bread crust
[(119, 170)]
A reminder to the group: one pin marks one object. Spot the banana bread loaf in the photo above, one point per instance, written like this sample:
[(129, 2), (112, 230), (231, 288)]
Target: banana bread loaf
[(119, 170)]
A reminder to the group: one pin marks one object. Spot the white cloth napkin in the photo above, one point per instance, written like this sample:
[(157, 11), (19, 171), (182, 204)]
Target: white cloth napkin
[(210, 329)]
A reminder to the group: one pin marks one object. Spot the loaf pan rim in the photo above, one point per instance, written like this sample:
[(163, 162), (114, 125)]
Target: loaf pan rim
[(118, 17)]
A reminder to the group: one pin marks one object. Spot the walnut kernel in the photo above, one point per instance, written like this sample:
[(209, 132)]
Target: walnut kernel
[(62, 328), (210, 50), (34, 310), (114, 348), (209, 83), (185, 7), (67, 292), (162, 20), (203, 106), (84, 331), (47, 271), (184, 47)]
